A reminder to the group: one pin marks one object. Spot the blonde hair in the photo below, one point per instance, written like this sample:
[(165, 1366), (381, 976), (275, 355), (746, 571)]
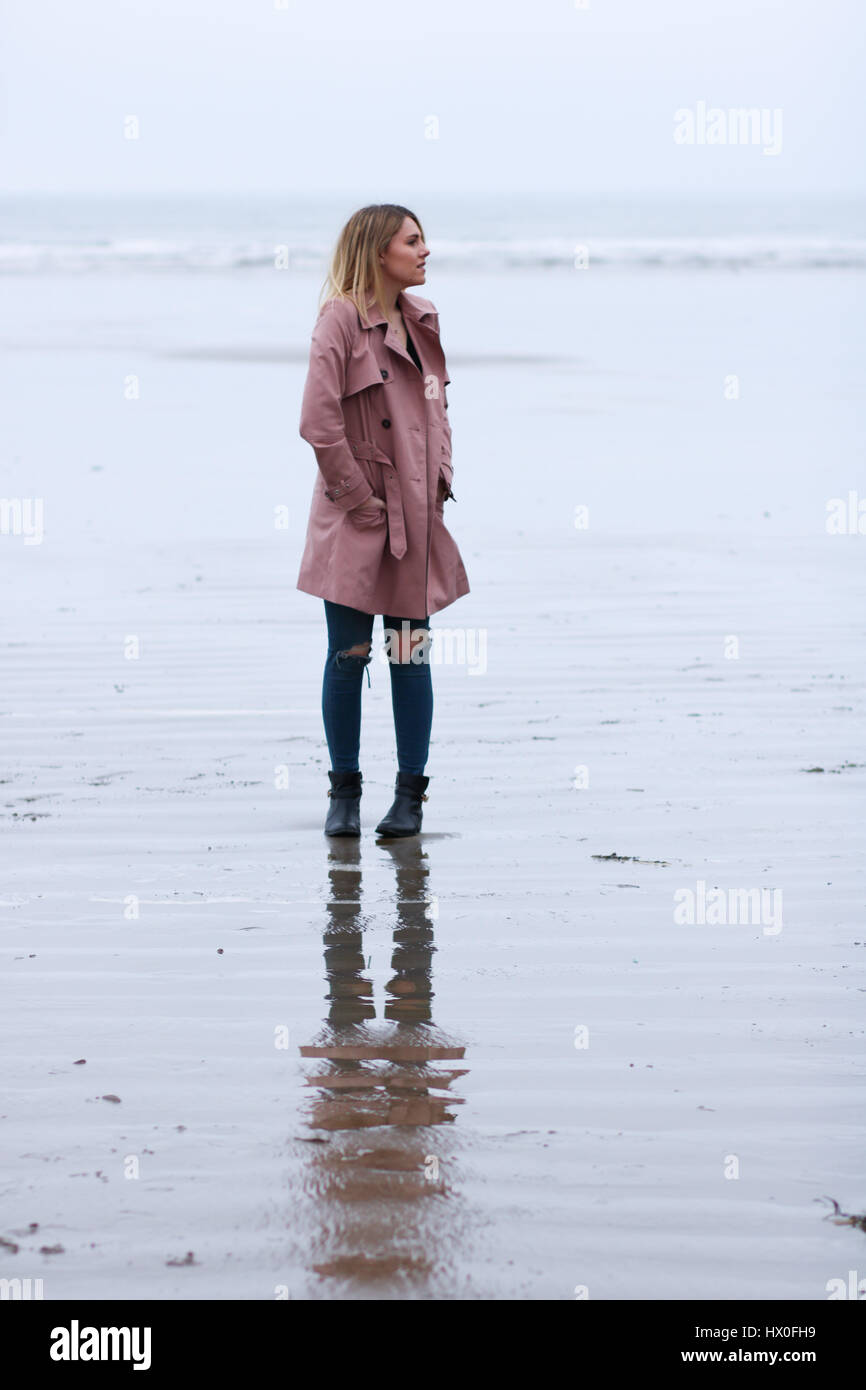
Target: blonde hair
[(354, 272)]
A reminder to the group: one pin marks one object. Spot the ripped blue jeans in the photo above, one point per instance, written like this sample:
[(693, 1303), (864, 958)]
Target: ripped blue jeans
[(411, 687)]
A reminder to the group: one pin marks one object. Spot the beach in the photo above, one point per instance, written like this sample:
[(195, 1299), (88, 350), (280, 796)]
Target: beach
[(652, 693)]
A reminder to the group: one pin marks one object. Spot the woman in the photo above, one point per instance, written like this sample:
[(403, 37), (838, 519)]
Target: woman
[(374, 410)]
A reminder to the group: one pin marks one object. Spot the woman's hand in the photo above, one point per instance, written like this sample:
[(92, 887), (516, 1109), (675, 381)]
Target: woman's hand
[(371, 502)]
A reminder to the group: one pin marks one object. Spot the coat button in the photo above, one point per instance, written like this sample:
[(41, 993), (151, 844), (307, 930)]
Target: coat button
[(383, 371), (386, 424)]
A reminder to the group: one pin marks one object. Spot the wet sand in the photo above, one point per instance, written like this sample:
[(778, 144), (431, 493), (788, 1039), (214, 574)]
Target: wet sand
[(487, 1062)]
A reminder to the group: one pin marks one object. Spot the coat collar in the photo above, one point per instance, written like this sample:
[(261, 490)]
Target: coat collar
[(411, 307)]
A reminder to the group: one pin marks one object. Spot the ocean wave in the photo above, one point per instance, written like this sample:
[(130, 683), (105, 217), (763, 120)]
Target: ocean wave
[(668, 253)]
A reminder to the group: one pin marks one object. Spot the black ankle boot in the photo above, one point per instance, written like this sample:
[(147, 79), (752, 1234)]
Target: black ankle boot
[(404, 817), (344, 813)]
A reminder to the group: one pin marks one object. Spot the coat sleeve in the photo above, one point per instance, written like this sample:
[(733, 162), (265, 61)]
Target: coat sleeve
[(322, 423)]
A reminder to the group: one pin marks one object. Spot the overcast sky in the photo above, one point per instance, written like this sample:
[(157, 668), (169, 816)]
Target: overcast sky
[(335, 95)]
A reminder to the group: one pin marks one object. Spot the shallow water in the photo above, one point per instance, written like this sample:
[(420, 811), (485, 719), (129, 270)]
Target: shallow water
[(487, 1062)]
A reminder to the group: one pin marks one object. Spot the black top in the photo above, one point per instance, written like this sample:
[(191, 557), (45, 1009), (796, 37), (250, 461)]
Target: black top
[(410, 348)]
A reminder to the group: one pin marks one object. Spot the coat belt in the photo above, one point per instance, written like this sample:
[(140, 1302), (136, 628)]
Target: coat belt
[(363, 449)]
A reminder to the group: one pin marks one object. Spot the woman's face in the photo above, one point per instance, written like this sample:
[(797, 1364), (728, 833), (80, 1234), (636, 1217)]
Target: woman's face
[(405, 256)]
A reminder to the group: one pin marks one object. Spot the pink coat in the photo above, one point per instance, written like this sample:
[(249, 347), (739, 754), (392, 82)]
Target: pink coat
[(378, 426)]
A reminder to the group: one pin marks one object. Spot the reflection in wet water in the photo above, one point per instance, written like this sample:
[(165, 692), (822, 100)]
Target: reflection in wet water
[(385, 1204)]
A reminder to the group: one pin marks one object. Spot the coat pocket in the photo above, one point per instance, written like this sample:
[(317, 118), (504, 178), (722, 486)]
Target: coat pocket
[(368, 517)]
